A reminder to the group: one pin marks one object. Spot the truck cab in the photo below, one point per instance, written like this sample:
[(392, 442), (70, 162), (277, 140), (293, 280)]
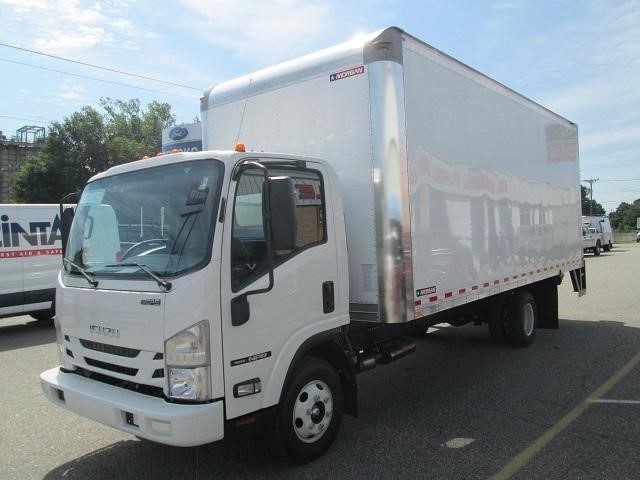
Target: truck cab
[(172, 268)]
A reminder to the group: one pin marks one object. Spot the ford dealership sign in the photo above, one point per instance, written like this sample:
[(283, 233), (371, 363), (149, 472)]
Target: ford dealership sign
[(178, 133), (185, 138)]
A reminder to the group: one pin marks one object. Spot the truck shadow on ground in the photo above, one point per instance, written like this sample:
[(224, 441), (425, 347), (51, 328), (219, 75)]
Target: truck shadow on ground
[(29, 334), (458, 385)]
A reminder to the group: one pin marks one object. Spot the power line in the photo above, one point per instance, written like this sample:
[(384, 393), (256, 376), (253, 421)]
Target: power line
[(98, 66), (620, 179), (618, 191), (22, 118), (121, 84)]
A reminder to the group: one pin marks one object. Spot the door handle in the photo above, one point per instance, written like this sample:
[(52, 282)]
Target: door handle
[(328, 299)]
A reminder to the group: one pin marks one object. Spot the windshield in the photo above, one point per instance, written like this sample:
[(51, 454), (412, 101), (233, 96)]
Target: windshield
[(158, 217)]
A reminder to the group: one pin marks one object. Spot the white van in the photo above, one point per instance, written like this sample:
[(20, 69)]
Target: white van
[(603, 229), (30, 259)]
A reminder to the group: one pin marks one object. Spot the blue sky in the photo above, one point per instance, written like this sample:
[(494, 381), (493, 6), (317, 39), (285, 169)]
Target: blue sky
[(581, 59)]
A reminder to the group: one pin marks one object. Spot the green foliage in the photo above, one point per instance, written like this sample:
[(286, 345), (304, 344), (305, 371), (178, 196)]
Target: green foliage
[(624, 218), (590, 207), (88, 142), (35, 182)]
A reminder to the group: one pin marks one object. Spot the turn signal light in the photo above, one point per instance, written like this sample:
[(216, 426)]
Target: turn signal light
[(240, 147)]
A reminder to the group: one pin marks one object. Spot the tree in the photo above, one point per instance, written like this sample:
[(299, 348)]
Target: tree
[(624, 218), (590, 207), (88, 142)]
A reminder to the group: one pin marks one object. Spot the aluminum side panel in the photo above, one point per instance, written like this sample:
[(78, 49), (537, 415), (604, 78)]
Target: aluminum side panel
[(493, 180), (393, 230)]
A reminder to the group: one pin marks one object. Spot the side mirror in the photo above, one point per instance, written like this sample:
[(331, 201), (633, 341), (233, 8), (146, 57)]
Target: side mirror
[(282, 201), (66, 217), (65, 227)]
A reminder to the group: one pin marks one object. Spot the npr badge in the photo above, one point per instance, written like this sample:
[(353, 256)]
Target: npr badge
[(346, 73)]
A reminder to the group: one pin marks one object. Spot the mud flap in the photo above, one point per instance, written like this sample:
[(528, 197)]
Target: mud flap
[(579, 280), (546, 296)]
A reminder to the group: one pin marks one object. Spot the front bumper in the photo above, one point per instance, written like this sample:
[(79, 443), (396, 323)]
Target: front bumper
[(147, 417)]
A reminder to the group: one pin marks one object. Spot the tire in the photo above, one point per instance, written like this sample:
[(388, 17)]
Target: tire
[(417, 329), (43, 316), (596, 249), (309, 413), (522, 320), (610, 246)]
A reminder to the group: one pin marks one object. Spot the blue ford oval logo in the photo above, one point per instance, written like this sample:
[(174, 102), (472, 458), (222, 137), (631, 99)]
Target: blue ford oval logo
[(178, 133)]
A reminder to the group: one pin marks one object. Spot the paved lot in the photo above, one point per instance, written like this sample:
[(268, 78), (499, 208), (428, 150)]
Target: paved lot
[(458, 408)]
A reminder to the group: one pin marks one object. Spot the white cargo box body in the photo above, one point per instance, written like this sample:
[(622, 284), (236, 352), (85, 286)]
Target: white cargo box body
[(30, 257), (454, 186)]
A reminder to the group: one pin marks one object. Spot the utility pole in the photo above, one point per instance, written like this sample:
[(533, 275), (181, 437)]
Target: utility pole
[(591, 181)]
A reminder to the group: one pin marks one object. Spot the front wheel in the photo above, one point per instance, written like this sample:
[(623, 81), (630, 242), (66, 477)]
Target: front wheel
[(44, 316), (596, 249), (309, 414), (522, 321)]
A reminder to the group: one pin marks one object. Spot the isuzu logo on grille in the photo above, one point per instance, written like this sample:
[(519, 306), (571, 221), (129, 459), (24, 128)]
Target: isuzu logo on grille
[(104, 331)]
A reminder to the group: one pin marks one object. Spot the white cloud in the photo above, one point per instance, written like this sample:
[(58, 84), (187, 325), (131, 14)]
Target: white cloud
[(69, 27), (265, 32), (80, 39), (614, 136), (504, 5), (70, 91)]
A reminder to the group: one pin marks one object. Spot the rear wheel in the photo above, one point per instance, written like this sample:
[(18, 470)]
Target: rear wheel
[(596, 249), (310, 412), (522, 320)]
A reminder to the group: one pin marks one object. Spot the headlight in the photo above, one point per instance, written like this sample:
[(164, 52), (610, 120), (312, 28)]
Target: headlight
[(188, 360), (189, 383)]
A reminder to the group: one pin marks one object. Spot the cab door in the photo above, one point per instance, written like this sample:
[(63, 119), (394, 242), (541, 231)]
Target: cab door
[(260, 350)]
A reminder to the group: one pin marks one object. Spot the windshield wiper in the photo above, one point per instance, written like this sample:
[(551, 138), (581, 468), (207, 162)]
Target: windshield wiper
[(85, 274), (161, 282)]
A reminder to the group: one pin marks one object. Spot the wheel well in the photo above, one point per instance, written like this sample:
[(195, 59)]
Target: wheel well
[(332, 352)]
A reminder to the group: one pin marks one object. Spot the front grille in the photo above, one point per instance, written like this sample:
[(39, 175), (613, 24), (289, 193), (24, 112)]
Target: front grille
[(135, 387), (110, 349), (111, 367)]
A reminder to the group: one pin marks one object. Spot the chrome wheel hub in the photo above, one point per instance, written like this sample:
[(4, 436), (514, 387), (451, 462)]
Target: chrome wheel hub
[(312, 411)]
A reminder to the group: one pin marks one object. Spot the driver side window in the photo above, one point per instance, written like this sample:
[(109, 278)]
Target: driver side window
[(248, 247)]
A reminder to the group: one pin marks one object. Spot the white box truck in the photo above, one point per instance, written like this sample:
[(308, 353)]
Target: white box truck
[(603, 231), (413, 191), (30, 249)]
